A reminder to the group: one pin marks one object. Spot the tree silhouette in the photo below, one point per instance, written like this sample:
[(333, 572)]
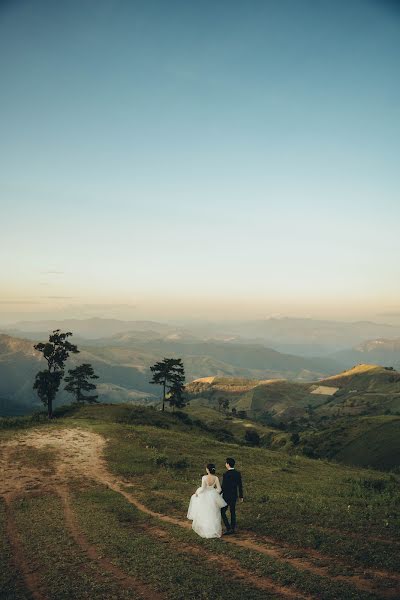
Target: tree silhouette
[(78, 382), (176, 396), (169, 373), (56, 352)]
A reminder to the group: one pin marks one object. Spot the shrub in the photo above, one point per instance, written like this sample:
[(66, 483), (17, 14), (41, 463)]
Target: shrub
[(181, 463), (252, 437), (161, 460), (295, 439)]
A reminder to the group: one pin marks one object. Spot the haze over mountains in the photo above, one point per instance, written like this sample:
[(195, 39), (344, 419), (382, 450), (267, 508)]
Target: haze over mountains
[(310, 337), (332, 404), (122, 351)]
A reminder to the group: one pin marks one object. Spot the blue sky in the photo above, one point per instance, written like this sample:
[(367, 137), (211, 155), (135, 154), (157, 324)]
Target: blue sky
[(200, 159)]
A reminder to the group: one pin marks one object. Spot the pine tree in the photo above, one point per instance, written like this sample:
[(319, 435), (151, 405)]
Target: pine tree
[(169, 373), (78, 382)]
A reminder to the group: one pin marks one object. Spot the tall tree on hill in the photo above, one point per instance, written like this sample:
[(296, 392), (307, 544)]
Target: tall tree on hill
[(176, 396), (169, 373), (78, 382), (56, 352)]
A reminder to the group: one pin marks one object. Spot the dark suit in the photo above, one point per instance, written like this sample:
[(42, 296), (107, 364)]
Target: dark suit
[(232, 488)]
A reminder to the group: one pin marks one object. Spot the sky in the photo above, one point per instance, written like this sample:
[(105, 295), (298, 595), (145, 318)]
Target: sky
[(200, 159)]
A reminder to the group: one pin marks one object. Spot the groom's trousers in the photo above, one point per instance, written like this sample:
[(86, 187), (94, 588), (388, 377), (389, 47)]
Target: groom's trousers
[(232, 510)]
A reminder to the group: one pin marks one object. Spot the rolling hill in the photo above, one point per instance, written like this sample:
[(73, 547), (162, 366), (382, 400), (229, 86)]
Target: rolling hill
[(122, 363), (367, 389), (352, 417)]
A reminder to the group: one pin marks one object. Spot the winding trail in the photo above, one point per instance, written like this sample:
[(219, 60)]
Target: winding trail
[(80, 455), (126, 581), (30, 577)]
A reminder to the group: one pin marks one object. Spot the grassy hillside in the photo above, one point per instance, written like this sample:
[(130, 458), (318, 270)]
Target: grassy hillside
[(94, 505), (368, 389), (281, 398), (346, 417), (364, 441)]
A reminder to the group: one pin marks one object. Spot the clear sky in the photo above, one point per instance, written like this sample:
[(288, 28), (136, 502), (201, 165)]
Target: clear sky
[(215, 158)]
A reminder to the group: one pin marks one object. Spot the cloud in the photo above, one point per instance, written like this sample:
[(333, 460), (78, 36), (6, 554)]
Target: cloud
[(19, 302), (53, 272), (105, 306), (59, 297)]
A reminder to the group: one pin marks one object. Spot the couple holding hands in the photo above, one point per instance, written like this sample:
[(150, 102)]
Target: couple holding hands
[(211, 501)]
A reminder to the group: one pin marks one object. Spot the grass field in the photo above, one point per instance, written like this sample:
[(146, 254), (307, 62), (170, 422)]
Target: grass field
[(94, 506)]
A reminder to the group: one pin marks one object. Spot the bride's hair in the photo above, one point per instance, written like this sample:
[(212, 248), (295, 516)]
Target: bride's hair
[(211, 468)]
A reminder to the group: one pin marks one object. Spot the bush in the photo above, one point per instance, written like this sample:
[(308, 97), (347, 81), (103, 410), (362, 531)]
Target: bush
[(181, 463), (161, 460), (295, 439), (309, 452), (23, 422), (252, 437)]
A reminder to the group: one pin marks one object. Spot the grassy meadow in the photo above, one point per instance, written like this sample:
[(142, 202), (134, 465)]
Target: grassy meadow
[(307, 528)]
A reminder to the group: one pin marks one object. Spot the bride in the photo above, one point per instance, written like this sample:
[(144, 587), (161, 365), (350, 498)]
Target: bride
[(205, 506)]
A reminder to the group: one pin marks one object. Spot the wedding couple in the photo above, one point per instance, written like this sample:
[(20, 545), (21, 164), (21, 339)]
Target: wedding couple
[(211, 501)]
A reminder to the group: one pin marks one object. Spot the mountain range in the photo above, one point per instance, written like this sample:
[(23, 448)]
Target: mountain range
[(122, 363)]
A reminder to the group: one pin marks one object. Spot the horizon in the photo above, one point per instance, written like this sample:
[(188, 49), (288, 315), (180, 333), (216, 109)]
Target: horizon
[(177, 162)]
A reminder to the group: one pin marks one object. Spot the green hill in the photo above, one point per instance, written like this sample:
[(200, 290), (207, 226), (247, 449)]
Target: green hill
[(93, 505), (346, 417)]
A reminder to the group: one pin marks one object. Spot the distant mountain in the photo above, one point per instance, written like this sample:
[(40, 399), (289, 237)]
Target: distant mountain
[(123, 361), (295, 336), (308, 337), (381, 351), (90, 328), (253, 357)]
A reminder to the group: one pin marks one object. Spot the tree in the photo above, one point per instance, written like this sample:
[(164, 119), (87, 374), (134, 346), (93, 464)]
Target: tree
[(78, 382), (225, 405), (47, 384), (169, 373), (176, 396), (234, 411), (56, 352)]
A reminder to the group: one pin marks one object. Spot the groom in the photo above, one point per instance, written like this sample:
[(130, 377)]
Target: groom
[(231, 489)]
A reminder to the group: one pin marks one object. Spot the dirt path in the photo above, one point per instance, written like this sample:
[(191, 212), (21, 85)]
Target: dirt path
[(80, 455), (125, 580), (29, 576), (236, 571)]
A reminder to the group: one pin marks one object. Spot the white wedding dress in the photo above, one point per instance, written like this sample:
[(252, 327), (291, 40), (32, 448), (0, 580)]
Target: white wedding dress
[(205, 509)]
